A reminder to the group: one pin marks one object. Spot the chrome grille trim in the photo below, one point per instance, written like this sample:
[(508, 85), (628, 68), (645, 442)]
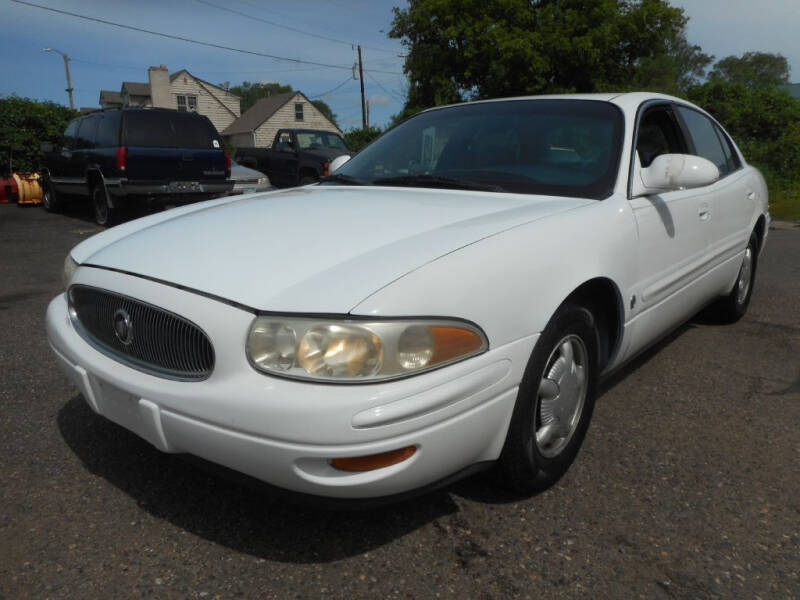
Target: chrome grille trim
[(163, 344)]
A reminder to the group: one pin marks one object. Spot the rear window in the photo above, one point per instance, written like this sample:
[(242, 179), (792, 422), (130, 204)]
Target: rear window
[(161, 129)]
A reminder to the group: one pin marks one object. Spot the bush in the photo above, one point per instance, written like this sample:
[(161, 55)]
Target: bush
[(26, 123), (356, 139)]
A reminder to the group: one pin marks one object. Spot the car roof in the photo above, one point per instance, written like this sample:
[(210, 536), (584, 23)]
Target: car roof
[(623, 99)]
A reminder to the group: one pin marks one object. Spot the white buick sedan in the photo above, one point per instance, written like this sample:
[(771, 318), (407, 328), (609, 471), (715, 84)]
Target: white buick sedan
[(446, 301)]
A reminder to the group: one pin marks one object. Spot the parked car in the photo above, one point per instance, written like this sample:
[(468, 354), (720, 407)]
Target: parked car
[(124, 157), (445, 302), (297, 156), (248, 181)]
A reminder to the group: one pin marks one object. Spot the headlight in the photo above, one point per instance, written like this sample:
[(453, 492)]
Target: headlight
[(69, 270), (352, 351), (263, 181)]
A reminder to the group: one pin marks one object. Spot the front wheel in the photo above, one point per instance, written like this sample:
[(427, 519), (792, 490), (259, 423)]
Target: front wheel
[(554, 403), (104, 214)]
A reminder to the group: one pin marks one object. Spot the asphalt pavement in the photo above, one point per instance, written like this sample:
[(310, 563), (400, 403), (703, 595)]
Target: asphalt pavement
[(687, 486)]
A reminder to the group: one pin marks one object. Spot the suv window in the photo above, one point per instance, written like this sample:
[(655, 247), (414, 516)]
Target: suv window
[(69, 134), (87, 131), (706, 141), (169, 129), (659, 134), (108, 130)]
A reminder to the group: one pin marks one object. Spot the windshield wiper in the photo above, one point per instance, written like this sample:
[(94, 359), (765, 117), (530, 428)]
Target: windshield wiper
[(437, 181), (342, 178)]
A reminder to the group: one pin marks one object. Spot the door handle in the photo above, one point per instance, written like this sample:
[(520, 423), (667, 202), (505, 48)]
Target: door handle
[(704, 212), (751, 195)]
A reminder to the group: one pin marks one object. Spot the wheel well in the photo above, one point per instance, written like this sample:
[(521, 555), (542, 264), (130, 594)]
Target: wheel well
[(602, 298), (760, 229), (92, 179)]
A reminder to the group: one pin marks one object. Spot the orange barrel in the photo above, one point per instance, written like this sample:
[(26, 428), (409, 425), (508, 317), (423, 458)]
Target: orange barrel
[(8, 190), (30, 192)]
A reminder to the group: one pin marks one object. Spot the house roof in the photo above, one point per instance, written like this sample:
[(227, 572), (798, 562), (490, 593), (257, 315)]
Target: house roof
[(175, 75), (110, 97), (258, 113), (136, 88)]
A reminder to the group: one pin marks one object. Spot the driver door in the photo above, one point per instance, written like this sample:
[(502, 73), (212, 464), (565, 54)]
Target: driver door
[(675, 236)]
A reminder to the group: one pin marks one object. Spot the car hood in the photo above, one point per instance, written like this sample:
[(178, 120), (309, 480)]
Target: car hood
[(317, 249)]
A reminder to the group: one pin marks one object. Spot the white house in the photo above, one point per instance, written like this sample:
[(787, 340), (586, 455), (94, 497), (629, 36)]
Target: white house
[(181, 91), (258, 126)]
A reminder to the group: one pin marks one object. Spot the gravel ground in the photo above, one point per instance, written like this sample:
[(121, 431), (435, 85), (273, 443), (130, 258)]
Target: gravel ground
[(688, 484)]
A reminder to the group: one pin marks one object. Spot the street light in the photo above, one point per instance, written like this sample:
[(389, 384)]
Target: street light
[(66, 68)]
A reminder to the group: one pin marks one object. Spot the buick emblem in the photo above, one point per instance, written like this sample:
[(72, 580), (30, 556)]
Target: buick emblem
[(123, 328)]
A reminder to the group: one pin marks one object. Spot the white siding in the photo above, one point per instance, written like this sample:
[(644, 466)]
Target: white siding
[(284, 118), (216, 104)]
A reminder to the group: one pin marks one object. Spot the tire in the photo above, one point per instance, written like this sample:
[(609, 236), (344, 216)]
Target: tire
[(554, 404), (104, 214), (49, 200), (732, 307)]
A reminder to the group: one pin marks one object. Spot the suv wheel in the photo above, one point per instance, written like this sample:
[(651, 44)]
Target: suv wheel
[(104, 214), (49, 200)]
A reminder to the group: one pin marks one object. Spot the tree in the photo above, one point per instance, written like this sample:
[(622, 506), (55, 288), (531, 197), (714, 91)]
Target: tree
[(24, 125), (356, 139), (250, 93), (752, 69), (470, 49)]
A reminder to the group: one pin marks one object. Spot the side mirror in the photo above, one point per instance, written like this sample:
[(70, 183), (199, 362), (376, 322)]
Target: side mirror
[(338, 162), (46, 147), (669, 172)]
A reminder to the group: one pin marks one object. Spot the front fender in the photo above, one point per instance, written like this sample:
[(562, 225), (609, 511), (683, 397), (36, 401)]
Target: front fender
[(512, 282)]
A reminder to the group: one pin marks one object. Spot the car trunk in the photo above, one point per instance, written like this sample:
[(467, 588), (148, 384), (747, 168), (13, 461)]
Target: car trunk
[(172, 145)]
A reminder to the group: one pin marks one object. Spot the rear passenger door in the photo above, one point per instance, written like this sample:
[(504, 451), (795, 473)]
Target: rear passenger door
[(61, 161), (81, 153), (732, 199)]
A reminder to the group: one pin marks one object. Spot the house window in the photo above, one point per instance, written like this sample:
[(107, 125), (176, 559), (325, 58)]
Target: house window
[(298, 111), (187, 103)]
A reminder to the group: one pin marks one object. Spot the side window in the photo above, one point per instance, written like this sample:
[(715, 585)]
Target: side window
[(108, 130), (87, 132), (285, 142), (298, 111), (730, 153), (69, 134), (705, 138), (659, 134)]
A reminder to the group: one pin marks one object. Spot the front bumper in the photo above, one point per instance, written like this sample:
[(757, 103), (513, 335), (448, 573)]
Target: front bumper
[(285, 432)]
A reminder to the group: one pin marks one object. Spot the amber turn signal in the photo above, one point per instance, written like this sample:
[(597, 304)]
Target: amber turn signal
[(373, 461), (452, 342)]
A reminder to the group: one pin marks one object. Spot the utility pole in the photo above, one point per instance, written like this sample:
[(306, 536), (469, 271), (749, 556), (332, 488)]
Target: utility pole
[(66, 68), (363, 101)]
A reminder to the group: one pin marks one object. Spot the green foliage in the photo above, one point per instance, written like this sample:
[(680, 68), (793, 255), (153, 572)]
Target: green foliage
[(356, 139), (26, 123), (251, 92), (469, 49), (752, 69), (765, 122)]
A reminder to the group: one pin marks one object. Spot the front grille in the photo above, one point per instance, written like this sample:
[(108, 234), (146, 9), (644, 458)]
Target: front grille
[(143, 336)]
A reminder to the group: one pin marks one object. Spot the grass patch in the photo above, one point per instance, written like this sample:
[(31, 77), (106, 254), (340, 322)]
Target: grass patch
[(784, 199)]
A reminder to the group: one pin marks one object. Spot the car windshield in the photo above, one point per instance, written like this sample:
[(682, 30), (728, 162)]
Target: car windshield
[(556, 147), (309, 140)]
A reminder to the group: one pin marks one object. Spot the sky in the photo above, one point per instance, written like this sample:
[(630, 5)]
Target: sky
[(103, 56)]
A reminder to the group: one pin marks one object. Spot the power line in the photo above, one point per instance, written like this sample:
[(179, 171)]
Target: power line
[(380, 85), (289, 28), (331, 90), (181, 38)]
